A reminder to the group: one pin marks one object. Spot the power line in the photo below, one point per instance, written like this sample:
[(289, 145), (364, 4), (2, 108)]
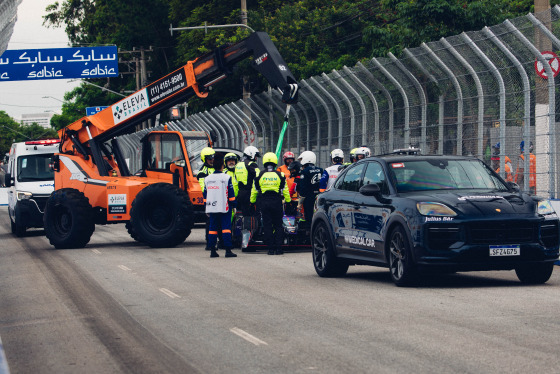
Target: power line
[(29, 106)]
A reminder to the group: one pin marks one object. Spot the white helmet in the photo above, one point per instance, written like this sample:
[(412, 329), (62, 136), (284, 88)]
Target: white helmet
[(364, 151), (307, 157), (251, 152), (337, 153)]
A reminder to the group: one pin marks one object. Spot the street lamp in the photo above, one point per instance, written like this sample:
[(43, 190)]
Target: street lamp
[(50, 97), (102, 88)]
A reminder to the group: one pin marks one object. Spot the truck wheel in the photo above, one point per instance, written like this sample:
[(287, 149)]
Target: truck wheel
[(162, 215), (18, 227), (68, 219), (131, 231)]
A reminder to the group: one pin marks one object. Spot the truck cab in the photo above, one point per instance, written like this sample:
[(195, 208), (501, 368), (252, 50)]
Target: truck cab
[(30, 180)]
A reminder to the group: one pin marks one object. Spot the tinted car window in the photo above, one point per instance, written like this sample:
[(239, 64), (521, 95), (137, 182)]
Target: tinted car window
[(351, 180), (444, 174), (375, 175)]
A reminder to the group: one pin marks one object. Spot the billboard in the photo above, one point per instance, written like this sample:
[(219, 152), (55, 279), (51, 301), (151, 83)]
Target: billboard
[(59, 63)]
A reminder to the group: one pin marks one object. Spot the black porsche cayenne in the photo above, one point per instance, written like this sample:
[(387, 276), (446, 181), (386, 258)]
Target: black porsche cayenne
[(415, 213)]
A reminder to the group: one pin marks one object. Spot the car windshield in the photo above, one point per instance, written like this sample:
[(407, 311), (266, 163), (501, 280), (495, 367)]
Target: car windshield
[(422, 175), (33, 168)]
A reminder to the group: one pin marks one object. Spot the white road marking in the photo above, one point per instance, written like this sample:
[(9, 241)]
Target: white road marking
[(96, 251), (172, 295), (124, 268), (245, 335)]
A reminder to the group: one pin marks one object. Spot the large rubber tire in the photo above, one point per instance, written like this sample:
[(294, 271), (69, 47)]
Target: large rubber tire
[(12, 226), (18, 227), (535, 273), (401, 265), (324, 259), (133, 234), (162, 215), (68, 219)]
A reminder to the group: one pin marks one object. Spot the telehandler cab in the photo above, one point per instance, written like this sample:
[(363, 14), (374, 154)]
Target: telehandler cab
[(93, 184)]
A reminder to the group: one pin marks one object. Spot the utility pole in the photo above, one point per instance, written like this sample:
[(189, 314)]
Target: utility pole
[(140, 71), (246, 82)]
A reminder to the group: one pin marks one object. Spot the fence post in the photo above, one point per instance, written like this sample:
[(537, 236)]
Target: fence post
[(421, 94), (389, 98), (404, 96), (360, 103), (355, 79), (441, 99), (526, 96), (313, 107), (480, 93), (457, 86), (551, 102), (254, 115)]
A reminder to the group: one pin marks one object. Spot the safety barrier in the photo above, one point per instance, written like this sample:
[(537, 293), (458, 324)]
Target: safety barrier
[(459, 95)]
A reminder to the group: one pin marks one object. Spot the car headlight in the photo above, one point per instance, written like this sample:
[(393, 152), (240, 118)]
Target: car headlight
[(22, 195), (544, 207), (435, 209)]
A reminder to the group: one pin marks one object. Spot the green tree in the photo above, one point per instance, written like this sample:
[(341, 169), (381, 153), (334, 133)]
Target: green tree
[(76, 102), (313, 36)]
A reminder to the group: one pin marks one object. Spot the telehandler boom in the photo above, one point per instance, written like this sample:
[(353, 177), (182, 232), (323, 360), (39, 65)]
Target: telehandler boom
[(93, 184)]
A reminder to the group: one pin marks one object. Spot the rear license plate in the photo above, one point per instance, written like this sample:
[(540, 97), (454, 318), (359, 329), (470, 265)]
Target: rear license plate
[(505, 250)]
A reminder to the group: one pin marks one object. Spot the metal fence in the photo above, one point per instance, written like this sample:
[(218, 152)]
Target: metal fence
[(459, 95)]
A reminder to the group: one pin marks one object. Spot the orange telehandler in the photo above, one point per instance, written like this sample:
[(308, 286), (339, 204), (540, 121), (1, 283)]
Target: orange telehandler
[(93, 184)]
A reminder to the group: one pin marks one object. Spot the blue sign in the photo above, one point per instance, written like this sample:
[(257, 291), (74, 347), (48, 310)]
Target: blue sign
[(59, 63), (91, 110)]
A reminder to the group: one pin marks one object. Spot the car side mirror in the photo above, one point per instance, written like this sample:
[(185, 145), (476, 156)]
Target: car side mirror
[(371, 189), (8, 180), (513, 186)]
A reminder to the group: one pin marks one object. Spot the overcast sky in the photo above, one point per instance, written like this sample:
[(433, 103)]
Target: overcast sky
[(19, 97)]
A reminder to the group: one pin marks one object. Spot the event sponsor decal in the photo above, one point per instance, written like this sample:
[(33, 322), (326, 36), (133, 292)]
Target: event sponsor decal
[(130, 106), (166, 86), (117, 203), (359, 240)]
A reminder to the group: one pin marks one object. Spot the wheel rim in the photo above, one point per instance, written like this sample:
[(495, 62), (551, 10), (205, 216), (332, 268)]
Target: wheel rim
[(320, 247), (62, 220), (158, 217), (397, 255)]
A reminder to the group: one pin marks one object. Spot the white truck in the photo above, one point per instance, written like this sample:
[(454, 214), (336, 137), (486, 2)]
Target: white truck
[(30, 179)]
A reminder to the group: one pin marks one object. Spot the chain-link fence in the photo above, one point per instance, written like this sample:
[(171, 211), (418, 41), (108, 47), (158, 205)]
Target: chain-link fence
[(479, 93)]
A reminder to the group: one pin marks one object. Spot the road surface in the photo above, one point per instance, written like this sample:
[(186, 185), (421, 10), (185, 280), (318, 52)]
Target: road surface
[(117, 306)]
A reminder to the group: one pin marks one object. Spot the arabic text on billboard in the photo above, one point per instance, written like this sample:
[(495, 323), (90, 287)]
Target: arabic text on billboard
[(58, 63)]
